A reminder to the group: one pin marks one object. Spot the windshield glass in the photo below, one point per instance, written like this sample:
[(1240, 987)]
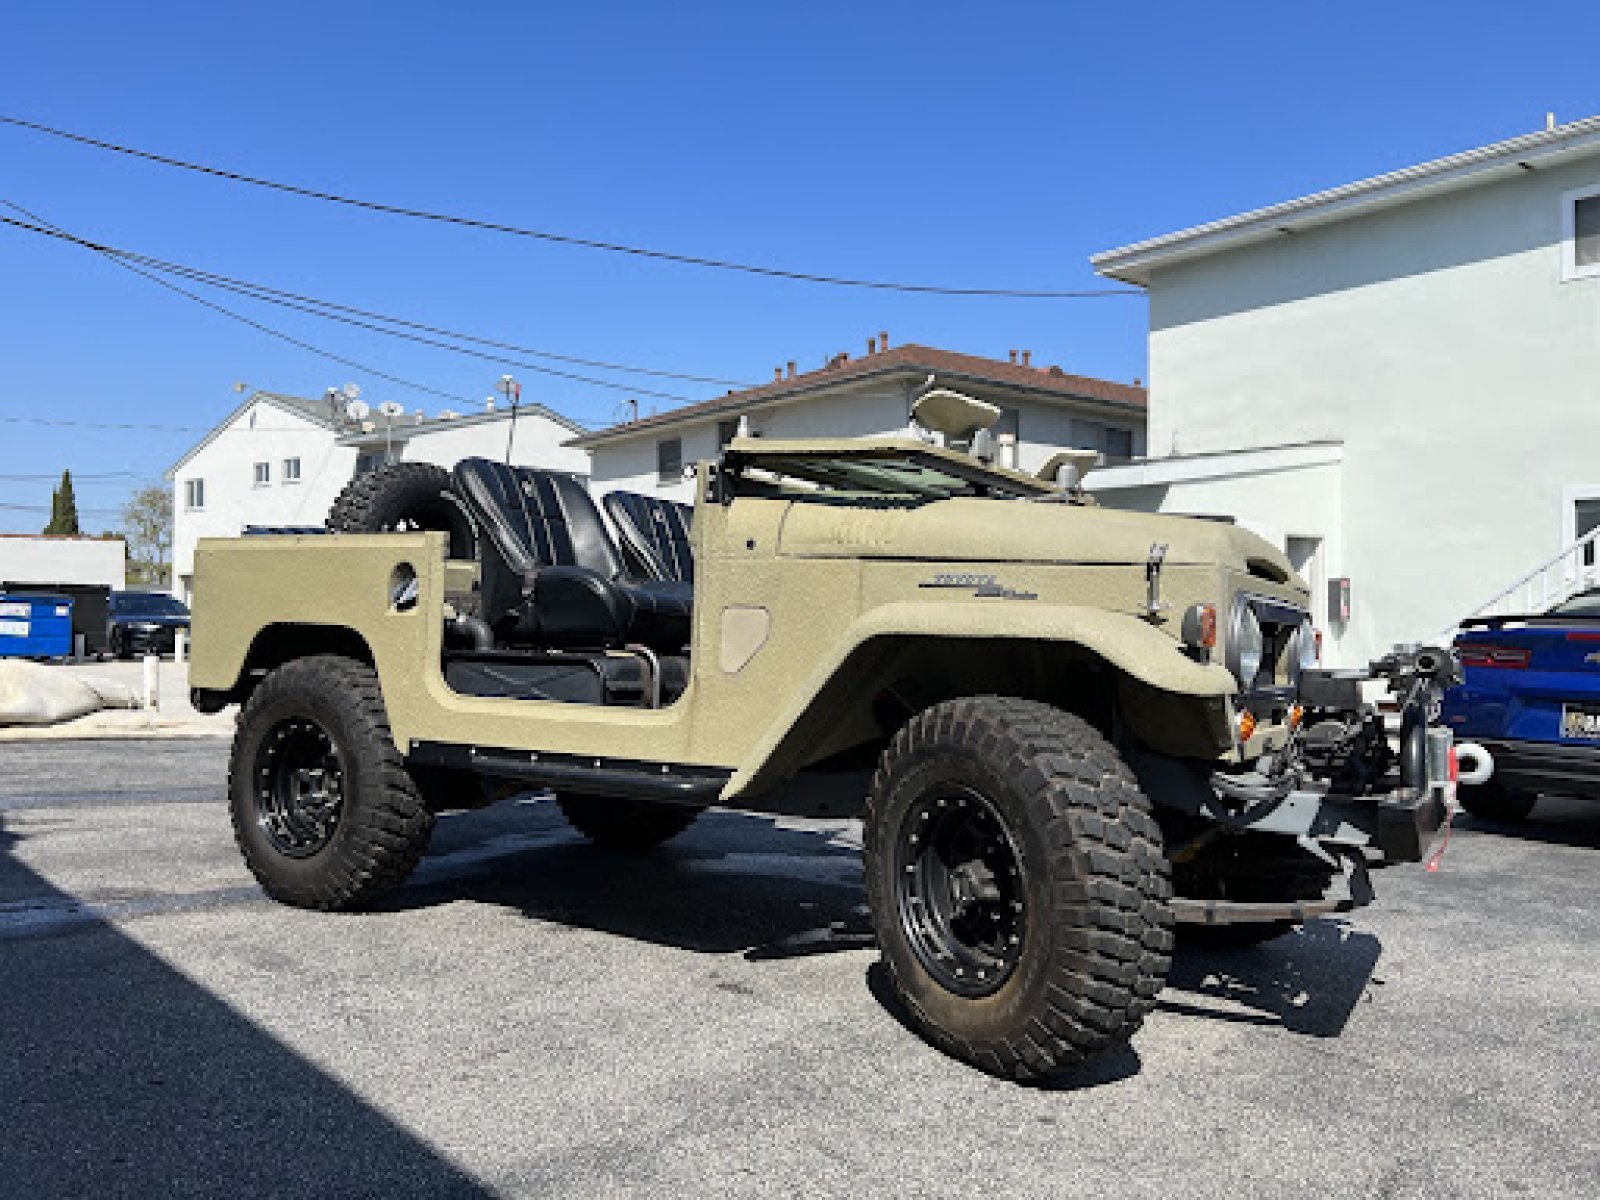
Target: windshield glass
[(148, 604), (887, 474)]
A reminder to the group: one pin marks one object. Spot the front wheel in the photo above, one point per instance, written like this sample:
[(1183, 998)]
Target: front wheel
[(323, 809), (1018, 885)]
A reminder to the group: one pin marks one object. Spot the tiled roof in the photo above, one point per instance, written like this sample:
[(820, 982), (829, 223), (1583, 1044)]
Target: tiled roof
[(1046, 382)]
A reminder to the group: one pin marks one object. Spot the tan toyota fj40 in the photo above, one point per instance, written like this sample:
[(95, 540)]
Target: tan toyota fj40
[(1064, 728)]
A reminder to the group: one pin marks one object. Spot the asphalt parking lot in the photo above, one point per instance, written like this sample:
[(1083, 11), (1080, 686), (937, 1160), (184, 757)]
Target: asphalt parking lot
[(532, 1017)]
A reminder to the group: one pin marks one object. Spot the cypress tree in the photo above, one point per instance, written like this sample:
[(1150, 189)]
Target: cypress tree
[(63, 509)]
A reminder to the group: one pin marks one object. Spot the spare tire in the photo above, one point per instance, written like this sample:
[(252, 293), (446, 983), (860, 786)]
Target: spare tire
[(401, 497)]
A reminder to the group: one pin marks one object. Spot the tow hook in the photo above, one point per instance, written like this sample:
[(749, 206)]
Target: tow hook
[(1474, 764)]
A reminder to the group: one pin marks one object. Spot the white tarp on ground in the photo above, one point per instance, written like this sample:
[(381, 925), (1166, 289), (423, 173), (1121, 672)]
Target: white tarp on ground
[(31, 694)]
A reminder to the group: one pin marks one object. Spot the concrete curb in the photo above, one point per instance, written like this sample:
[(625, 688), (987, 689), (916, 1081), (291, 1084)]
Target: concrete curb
[(86, 728)]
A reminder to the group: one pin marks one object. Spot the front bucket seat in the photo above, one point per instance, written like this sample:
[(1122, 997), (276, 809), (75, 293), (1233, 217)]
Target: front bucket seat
[(552, 576)]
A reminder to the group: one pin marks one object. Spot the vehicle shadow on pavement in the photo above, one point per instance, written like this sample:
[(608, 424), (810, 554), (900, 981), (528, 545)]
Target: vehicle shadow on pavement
[(1307, 982), (119, 1076), (1556, 820), (731, 883)]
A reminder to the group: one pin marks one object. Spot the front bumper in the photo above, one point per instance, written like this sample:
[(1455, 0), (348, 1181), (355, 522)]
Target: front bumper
[(1398, 826), (1545, 766)]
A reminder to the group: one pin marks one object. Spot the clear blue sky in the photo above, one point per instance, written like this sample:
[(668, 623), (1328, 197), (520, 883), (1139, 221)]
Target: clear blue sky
[(994, 144)]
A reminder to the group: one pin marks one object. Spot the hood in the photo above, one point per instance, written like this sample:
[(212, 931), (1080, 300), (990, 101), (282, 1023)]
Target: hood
[(1020, 531)]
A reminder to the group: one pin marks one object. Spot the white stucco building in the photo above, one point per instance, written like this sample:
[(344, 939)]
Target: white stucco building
[(31, 561), (1397, 380), (1045, 410), (279, 461)]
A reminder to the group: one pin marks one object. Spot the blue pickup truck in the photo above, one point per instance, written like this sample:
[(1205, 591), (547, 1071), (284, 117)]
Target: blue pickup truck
[(1530, 698)]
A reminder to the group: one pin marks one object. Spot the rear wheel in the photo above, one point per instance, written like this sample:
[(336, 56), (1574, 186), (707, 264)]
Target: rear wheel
[(626, 825), (402, 497), (1494, 802), (1017, 884), (322, 807)]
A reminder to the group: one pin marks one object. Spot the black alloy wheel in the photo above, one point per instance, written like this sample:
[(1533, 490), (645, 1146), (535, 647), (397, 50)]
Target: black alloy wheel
[(960, 895), (323, 808), (299, 778), (1017, 883)]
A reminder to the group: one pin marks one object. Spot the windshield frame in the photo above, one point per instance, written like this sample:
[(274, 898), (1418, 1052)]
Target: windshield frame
[(869, 470)]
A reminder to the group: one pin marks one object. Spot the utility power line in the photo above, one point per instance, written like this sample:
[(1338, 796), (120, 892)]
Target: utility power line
[(565, 238), (56, 230), (330, 311)]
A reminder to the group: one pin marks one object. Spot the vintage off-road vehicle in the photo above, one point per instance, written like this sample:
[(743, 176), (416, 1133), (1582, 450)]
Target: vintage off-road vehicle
[(1064, 728)]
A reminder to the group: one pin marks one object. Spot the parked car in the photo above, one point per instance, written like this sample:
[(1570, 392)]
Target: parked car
[(1531, 698), (144, 623)]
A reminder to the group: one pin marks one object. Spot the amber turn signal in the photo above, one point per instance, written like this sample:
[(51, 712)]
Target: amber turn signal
[(1247, 725)]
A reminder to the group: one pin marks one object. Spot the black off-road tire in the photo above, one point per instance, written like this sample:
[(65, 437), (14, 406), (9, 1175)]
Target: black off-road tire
[(404, 496), (380, 827), (630, 826), (1095, 937), (1494, 802)]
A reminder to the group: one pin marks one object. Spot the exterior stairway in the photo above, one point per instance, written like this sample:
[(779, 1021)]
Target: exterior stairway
[(1574, 569)]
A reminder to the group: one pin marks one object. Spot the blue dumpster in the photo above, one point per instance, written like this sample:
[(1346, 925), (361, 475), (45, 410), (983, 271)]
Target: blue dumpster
[(33, 626)]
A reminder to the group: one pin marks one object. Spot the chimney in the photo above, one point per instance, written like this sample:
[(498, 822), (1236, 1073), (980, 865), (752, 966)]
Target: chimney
[(883, 342), (1027, 355), (1137, 382), (791, 368), (777, 374), (872, 346), (1013, 358)]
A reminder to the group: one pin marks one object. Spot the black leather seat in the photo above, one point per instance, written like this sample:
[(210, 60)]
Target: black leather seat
[(551, 575), (654, 534)]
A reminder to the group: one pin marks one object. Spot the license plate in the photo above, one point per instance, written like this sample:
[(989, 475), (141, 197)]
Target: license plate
[(1580, 722)]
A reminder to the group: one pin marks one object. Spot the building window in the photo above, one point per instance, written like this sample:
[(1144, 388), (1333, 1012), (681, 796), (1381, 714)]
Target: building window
[(368, 462), (727, 431), (1119, 444), (263, 474), (291, 470), (1580, 233), (1008, 438), (669, 460), (194, 494)]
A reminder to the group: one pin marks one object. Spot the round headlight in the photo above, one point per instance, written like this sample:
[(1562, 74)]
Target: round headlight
[(1251, 644)]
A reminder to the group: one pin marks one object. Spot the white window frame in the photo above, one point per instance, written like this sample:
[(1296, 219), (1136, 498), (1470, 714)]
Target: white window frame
[(261, 474), (1570, 270), (291, 476), (194, 495)]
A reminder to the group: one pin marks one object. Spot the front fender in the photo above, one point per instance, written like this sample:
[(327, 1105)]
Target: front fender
[(1137, 649)]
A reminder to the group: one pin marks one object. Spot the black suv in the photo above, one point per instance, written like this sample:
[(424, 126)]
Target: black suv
[(144, 623)]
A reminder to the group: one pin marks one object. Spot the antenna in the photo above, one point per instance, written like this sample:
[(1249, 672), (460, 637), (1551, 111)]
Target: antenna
[(512, 391), (357, 410), (351, 392), (391, 410)]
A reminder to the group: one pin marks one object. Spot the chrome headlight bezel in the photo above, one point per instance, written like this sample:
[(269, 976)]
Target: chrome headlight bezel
[(1247, 644)]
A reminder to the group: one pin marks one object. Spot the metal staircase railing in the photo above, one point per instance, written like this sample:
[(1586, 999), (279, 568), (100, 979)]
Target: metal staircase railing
[(1574, 569)]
